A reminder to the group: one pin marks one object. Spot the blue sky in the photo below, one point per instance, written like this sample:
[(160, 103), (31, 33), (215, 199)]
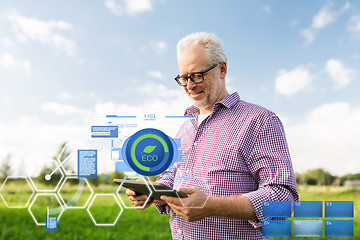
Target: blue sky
[(64, 66)]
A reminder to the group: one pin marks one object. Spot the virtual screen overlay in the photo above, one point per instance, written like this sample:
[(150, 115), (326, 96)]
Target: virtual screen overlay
[(142, 147)]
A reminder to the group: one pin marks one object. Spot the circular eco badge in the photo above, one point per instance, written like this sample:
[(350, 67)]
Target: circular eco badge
[(149, 152)]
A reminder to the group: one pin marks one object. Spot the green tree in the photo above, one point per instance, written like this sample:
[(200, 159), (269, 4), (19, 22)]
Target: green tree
[(5, 168), (48, 168), (65, 153), (319, 177)]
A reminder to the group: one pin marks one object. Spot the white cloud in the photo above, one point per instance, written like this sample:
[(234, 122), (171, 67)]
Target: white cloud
[(30, 141), (156, 74), (308, 34), (161, 91), (345, 7), (39, 141), (354, 26), (160, 47), (45, 32), (134, 7), (9, 62), (131, 7), (63, 96), (339, 73), (6, 42), (327, 138), (322, 19), (266, 8), (61, 109), (293, 81), (115, 8)]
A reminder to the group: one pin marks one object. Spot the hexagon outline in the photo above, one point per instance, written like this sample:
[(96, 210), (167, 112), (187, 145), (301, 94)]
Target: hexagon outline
[(62, 177), (67, 207), (15, 177), (117, 193), (42, 194), (208, 196), (105, 224)]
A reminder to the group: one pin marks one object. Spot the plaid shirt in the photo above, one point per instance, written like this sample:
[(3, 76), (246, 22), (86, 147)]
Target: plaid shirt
[(239, 149)]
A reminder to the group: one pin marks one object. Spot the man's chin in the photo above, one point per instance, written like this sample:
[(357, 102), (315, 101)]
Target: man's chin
[(200, 104)]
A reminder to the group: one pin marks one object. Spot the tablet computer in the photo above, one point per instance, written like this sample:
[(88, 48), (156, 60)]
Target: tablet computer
[(141, 188)]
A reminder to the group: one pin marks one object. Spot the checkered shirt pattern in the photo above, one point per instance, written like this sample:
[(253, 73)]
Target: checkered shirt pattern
[(239, 149)]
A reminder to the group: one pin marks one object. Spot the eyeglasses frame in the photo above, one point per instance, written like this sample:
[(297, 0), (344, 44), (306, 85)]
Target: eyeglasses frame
[(177, 78)]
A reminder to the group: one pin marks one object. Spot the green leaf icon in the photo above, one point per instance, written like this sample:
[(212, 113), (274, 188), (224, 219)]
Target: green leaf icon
[(149, 149)]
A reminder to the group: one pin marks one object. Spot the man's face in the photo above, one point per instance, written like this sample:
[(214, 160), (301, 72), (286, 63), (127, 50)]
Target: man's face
[(205, 94)]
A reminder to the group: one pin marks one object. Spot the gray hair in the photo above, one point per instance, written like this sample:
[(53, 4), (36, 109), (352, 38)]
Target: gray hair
[(213, 46)]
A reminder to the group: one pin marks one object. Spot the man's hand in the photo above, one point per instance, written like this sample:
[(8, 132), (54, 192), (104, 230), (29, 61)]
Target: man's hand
[(191, 208), (139, 200)]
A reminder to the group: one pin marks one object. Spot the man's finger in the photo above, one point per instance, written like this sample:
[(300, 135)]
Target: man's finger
[(141, 197), (172, 200), (188, 190), (130, 192), (178, 209)]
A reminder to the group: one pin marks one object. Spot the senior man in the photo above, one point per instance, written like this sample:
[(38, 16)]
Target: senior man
[(236, 153)]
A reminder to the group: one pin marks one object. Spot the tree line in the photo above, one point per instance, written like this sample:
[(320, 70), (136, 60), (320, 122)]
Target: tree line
[(317, 176)]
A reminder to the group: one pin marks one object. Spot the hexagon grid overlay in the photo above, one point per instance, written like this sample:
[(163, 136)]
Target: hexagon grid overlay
[(77, 195), (13, 193), (117, 217), (56, 169), (60, 209)]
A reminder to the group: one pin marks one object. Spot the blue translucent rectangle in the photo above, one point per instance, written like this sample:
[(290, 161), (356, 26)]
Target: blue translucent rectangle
[(51, 224), (308, 228), (308, 209), (116, 116), (177, 142), (276, 228), (104, 131), (121, 166), (339, 228), (186, 116), (276, 209), (87, 163), (339, 209), (180, 156)]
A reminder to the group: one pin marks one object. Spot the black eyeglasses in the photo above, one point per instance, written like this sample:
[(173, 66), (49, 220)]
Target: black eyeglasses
[(196, 77)]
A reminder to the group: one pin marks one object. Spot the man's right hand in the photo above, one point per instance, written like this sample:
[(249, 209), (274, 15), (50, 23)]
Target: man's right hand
[(139, 200)]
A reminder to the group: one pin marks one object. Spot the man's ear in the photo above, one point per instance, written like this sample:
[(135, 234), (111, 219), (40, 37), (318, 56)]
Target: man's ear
[(223, 70)]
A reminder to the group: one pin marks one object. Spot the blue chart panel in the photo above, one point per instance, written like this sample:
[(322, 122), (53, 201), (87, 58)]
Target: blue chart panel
[(308, 228), (51, 224), (339, 228), (276, 209), (308, 209), (87, 163), (339, 209), (276, 228), (104, 131)]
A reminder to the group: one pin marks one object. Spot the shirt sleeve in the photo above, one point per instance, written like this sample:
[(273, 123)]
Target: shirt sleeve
[(270, 164)]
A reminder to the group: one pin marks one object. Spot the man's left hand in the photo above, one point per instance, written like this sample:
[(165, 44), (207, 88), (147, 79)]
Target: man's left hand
[(193, 208)]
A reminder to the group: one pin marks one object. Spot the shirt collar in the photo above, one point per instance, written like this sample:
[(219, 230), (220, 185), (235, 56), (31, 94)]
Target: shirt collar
[(227, 102)]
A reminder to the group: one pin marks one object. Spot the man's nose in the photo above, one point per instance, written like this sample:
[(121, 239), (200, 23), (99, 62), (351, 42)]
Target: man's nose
[(190, 85)]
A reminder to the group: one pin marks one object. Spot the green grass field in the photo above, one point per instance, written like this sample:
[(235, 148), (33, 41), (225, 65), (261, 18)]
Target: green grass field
[(132, 224)]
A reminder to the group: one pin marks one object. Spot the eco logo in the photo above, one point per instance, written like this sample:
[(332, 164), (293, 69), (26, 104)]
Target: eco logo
[(149, 152), (149, 149)]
